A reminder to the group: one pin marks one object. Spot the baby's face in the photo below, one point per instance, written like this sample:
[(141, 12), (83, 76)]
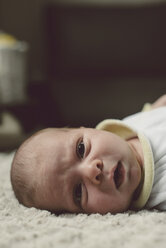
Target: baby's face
[(85, 170)]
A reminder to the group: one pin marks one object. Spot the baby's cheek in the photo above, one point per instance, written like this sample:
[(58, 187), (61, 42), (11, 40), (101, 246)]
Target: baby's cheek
[(106, 202), (99, 202)]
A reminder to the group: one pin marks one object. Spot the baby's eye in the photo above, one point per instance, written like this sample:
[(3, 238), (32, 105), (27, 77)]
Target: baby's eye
[(80, 150), (78, 194)]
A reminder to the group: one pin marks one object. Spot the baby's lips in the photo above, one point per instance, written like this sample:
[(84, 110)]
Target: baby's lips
[(111, 174), (122, 174)]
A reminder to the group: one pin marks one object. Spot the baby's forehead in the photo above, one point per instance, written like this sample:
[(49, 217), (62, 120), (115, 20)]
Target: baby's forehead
[(49, 132), (57, 132), (46, 137), (62, 130)]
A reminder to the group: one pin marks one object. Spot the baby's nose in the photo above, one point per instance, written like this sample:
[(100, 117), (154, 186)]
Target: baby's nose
[(94, 171)]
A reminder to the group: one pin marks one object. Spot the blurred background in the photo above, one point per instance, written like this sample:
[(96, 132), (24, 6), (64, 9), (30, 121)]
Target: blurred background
[(78, 62)]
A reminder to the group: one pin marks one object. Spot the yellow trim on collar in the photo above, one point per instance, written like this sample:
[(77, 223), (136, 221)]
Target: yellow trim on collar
[(125, 132)]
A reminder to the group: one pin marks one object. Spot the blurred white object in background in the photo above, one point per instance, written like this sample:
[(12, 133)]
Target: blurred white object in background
[(13, 70), (9, 125)]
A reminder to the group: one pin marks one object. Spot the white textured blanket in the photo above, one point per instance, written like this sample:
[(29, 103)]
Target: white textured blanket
[(23, 227)]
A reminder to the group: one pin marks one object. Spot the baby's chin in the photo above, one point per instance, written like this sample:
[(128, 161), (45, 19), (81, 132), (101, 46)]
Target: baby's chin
[(138, 190)]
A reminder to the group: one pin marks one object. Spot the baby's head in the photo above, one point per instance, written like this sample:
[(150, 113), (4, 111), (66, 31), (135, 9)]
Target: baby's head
[(76, 170)]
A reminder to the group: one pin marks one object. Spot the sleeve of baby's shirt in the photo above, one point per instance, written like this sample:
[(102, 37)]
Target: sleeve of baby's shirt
[(146, 107)]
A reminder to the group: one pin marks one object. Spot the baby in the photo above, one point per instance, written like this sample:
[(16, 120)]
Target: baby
[(120, 165)]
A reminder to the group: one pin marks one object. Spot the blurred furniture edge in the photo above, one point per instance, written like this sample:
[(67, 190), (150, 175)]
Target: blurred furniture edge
[(11, 132)]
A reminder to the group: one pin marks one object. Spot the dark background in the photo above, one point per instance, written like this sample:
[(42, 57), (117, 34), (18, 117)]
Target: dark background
[(87, 61)]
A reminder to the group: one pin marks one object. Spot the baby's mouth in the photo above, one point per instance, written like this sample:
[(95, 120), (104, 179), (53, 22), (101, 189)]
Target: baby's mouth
[(118, 175)]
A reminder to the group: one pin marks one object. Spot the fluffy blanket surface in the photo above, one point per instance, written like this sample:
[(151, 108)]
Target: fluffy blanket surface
[(23, 227)]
